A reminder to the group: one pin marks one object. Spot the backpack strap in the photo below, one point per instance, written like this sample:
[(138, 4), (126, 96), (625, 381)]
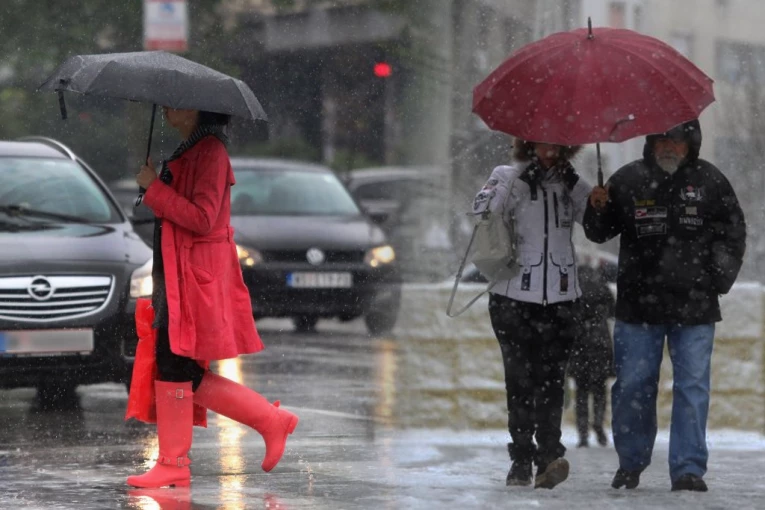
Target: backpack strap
[(457, 282)]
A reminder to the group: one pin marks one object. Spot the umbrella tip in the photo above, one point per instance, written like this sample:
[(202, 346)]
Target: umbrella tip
[(589, 28)]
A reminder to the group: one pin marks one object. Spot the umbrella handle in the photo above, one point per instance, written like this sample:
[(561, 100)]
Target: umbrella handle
[(62, 104), (141, 191), (600, 168)]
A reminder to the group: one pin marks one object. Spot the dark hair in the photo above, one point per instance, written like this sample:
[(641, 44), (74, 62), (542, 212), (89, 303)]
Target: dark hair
[(524, 151), (212, 118)]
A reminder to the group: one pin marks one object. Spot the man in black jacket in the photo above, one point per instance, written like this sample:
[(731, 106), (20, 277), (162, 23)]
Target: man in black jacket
[(683, 238)]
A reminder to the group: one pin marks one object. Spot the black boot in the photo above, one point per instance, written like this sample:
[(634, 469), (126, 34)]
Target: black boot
[(601, 435), (689, 482), (520, 471), (598, 413), (582, 417), (552, 468), (626, 479), (550, 475)]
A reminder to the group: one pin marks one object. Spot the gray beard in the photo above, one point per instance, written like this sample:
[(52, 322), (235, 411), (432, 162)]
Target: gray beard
[(668, 165)]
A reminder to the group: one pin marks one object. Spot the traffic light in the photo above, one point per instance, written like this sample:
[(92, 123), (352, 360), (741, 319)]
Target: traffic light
[(382, 69)]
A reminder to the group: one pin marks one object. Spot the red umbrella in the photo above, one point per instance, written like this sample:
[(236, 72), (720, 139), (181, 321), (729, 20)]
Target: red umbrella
[(592, 85)]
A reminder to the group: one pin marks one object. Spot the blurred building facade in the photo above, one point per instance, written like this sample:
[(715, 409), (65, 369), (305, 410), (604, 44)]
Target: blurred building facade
[(724, 38), (315, 62)]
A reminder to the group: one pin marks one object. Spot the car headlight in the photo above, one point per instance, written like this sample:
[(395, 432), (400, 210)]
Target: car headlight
[(141, 283), (380, 256), (248, 257)]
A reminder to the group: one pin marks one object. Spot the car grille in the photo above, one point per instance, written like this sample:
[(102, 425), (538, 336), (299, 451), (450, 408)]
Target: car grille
[(53, 298), (299, 256)]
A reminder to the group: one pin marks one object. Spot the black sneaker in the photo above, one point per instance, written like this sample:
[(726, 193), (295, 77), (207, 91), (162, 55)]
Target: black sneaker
[(519, 475), (583, 443), (690, 482), (626, 479), (550, 475)]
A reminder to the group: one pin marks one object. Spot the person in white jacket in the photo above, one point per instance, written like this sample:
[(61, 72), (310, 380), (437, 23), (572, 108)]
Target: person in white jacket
[(533, 313)]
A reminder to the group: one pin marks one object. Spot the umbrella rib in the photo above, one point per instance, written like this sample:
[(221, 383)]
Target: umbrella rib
[(242, 87), (100, 72)]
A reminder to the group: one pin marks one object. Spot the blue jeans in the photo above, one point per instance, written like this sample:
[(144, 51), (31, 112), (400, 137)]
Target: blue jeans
[(638, 351)]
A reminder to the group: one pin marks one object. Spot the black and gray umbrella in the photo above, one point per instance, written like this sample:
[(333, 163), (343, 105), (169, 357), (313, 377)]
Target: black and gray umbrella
[(155, 77)]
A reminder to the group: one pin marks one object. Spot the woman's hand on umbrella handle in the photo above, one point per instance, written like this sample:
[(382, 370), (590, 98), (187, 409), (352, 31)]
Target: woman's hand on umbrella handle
[(147, 175), (599, 197)]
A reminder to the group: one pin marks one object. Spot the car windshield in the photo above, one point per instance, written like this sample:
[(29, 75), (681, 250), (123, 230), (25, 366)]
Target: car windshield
[(52, 190), (277, 192)]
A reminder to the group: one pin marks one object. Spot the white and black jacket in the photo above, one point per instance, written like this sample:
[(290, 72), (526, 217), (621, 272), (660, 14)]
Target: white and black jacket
[(544, 206)]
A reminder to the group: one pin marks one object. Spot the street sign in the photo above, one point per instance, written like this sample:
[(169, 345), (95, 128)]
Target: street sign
[(165, 25)]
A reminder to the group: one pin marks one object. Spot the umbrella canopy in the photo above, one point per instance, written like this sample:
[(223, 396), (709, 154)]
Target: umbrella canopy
[(156, 77), (588, 86)]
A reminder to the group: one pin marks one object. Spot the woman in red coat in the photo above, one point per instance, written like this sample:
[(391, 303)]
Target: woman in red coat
[(202, 308)]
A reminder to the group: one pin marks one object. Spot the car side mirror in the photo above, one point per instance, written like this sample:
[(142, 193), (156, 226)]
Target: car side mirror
[(378, 217)]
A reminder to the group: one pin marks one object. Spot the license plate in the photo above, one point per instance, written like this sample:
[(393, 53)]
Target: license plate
[(319, 280), (46, 342)]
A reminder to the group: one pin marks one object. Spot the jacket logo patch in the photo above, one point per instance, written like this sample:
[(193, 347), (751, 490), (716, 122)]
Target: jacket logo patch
[(694, 221), (692, 194), (481, 200), (653, 229), (491, 184), (650, 212)]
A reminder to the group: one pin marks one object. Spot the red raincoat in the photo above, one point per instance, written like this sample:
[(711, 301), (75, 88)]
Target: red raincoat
[(209, 307)]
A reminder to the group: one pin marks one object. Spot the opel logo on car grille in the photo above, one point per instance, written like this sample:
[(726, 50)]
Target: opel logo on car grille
[(315, 256), (40, 288)]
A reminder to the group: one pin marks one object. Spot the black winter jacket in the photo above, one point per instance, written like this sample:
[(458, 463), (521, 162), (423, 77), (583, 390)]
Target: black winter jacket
[(592, 353), (683, 238)]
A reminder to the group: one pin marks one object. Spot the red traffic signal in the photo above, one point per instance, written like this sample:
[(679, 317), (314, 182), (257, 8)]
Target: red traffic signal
[(382, 70)]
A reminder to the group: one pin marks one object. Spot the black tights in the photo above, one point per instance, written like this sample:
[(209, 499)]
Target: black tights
[(174, 368)]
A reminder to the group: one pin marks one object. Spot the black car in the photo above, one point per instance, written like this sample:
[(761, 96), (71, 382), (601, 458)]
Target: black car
[(70, 269), (306, 248)]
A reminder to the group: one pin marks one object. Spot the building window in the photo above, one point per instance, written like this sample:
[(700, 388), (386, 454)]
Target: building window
[(683, 43), (638, 13), (739, 62), (617, 12)]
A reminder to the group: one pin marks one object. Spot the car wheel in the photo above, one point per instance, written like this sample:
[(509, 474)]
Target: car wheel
[(381, 322), (305, 323), (57, 395)]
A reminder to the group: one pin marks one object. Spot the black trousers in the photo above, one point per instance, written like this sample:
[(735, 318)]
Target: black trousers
[(587, 384), (535, 341), (174, 368)]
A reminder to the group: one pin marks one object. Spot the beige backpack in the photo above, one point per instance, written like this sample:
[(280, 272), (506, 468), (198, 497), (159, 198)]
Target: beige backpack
[(492, 250)]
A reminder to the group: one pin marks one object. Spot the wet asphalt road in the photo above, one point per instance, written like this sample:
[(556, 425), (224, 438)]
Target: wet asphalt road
[(346, 453), (79, 456)]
